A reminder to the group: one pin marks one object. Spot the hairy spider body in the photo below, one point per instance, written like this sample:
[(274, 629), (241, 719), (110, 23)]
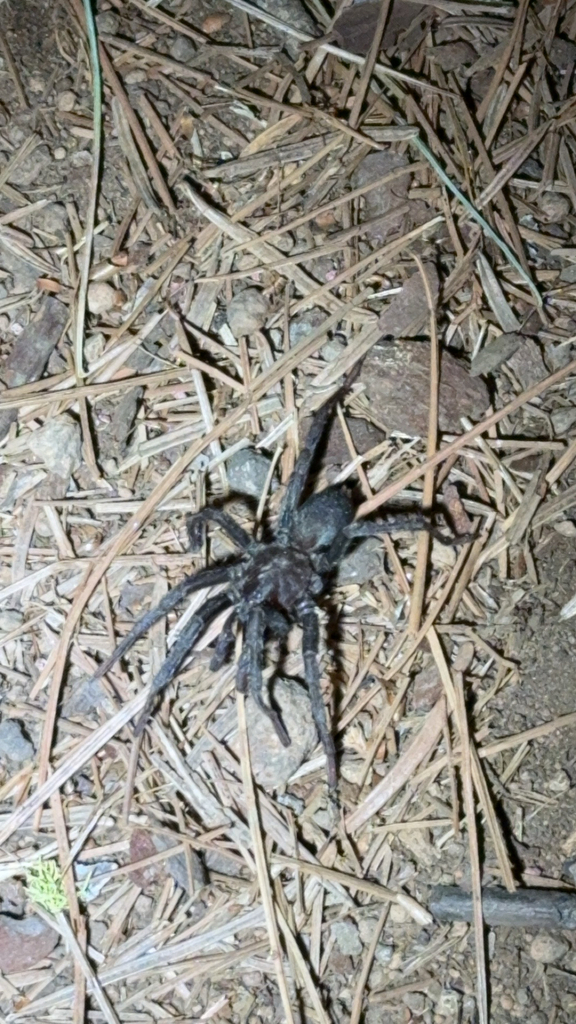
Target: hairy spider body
[(271, 585)]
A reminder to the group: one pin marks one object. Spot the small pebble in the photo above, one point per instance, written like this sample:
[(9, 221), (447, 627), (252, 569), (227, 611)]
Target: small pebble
[(36, 84), (415, 1001), (10, 619), (384, 953), (303, 324), (332, 350), (554, 206), (102, 297), (108, 23), (347, 938), (398, 915), (248, 472), (366, 928), (24, 941), (506, 1001), (214, 23), (66, 100), (448, 1004), (560, 782), (361, 564), (522, 997), (563, 419), (14, 746), (247, 312), (182, 49), (60, 153), (82, 158), (58, 444), (547, 948), (272, 763), (136, 77)]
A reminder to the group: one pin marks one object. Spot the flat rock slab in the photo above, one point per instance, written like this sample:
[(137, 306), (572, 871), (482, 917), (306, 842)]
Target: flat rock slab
[(24, 942), (396, 376)]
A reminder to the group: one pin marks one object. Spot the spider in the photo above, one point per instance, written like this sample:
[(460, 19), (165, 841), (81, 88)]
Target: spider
[(272, 584)]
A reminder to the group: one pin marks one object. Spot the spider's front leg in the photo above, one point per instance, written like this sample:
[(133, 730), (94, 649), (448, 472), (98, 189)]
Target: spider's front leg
[(204, 578), (249, 678), (178, 652), (310, 647), (195, 522)]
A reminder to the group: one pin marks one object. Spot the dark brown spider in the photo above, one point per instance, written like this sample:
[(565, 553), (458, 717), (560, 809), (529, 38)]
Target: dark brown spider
[(271, 585)]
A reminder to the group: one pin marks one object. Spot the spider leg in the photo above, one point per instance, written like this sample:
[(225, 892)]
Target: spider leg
[(178, 652), (249, 678), (277, 623), (195, 522), (297, 481), (411, 522), (204, 578), (310, 646), (224, 644)]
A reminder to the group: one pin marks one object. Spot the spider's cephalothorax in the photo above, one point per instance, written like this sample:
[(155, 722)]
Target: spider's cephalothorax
[(271, 585)]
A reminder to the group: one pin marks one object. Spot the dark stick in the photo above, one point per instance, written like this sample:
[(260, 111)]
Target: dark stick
[(525, 908)]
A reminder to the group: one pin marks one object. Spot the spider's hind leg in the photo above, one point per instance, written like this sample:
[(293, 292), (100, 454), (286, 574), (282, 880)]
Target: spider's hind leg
[(310, 648), (224, 643), (249, 678)]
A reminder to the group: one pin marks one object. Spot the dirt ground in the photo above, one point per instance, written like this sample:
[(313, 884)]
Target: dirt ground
[(240, 264)]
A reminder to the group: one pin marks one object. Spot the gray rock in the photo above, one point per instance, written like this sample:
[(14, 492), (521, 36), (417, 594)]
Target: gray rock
[(554, 207), (102, 297), (24, 941), (272, 763), (568, 274), (547, 948), (563, 419), (347, 937), (247, 472), (10, 619), (15, 748), (107, 23), (304, 324), (182, 49), (382, 200), (415, 1001), (59, 445), (361, 564), (426, 688), (397, 380), (53, 219), (247, 312), (384, 953), (85, 697), (332, 350), (527, 363), (30, 170), (408, 311), (334, 450), (452, 56), (495, 353), (23, 274), (294, 14)]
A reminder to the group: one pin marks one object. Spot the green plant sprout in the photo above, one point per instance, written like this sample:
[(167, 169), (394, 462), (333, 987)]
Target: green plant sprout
[(45, 887)]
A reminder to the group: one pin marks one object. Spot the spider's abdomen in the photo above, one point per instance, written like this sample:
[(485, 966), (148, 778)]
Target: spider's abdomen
[(321, 518), (277, 575)]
